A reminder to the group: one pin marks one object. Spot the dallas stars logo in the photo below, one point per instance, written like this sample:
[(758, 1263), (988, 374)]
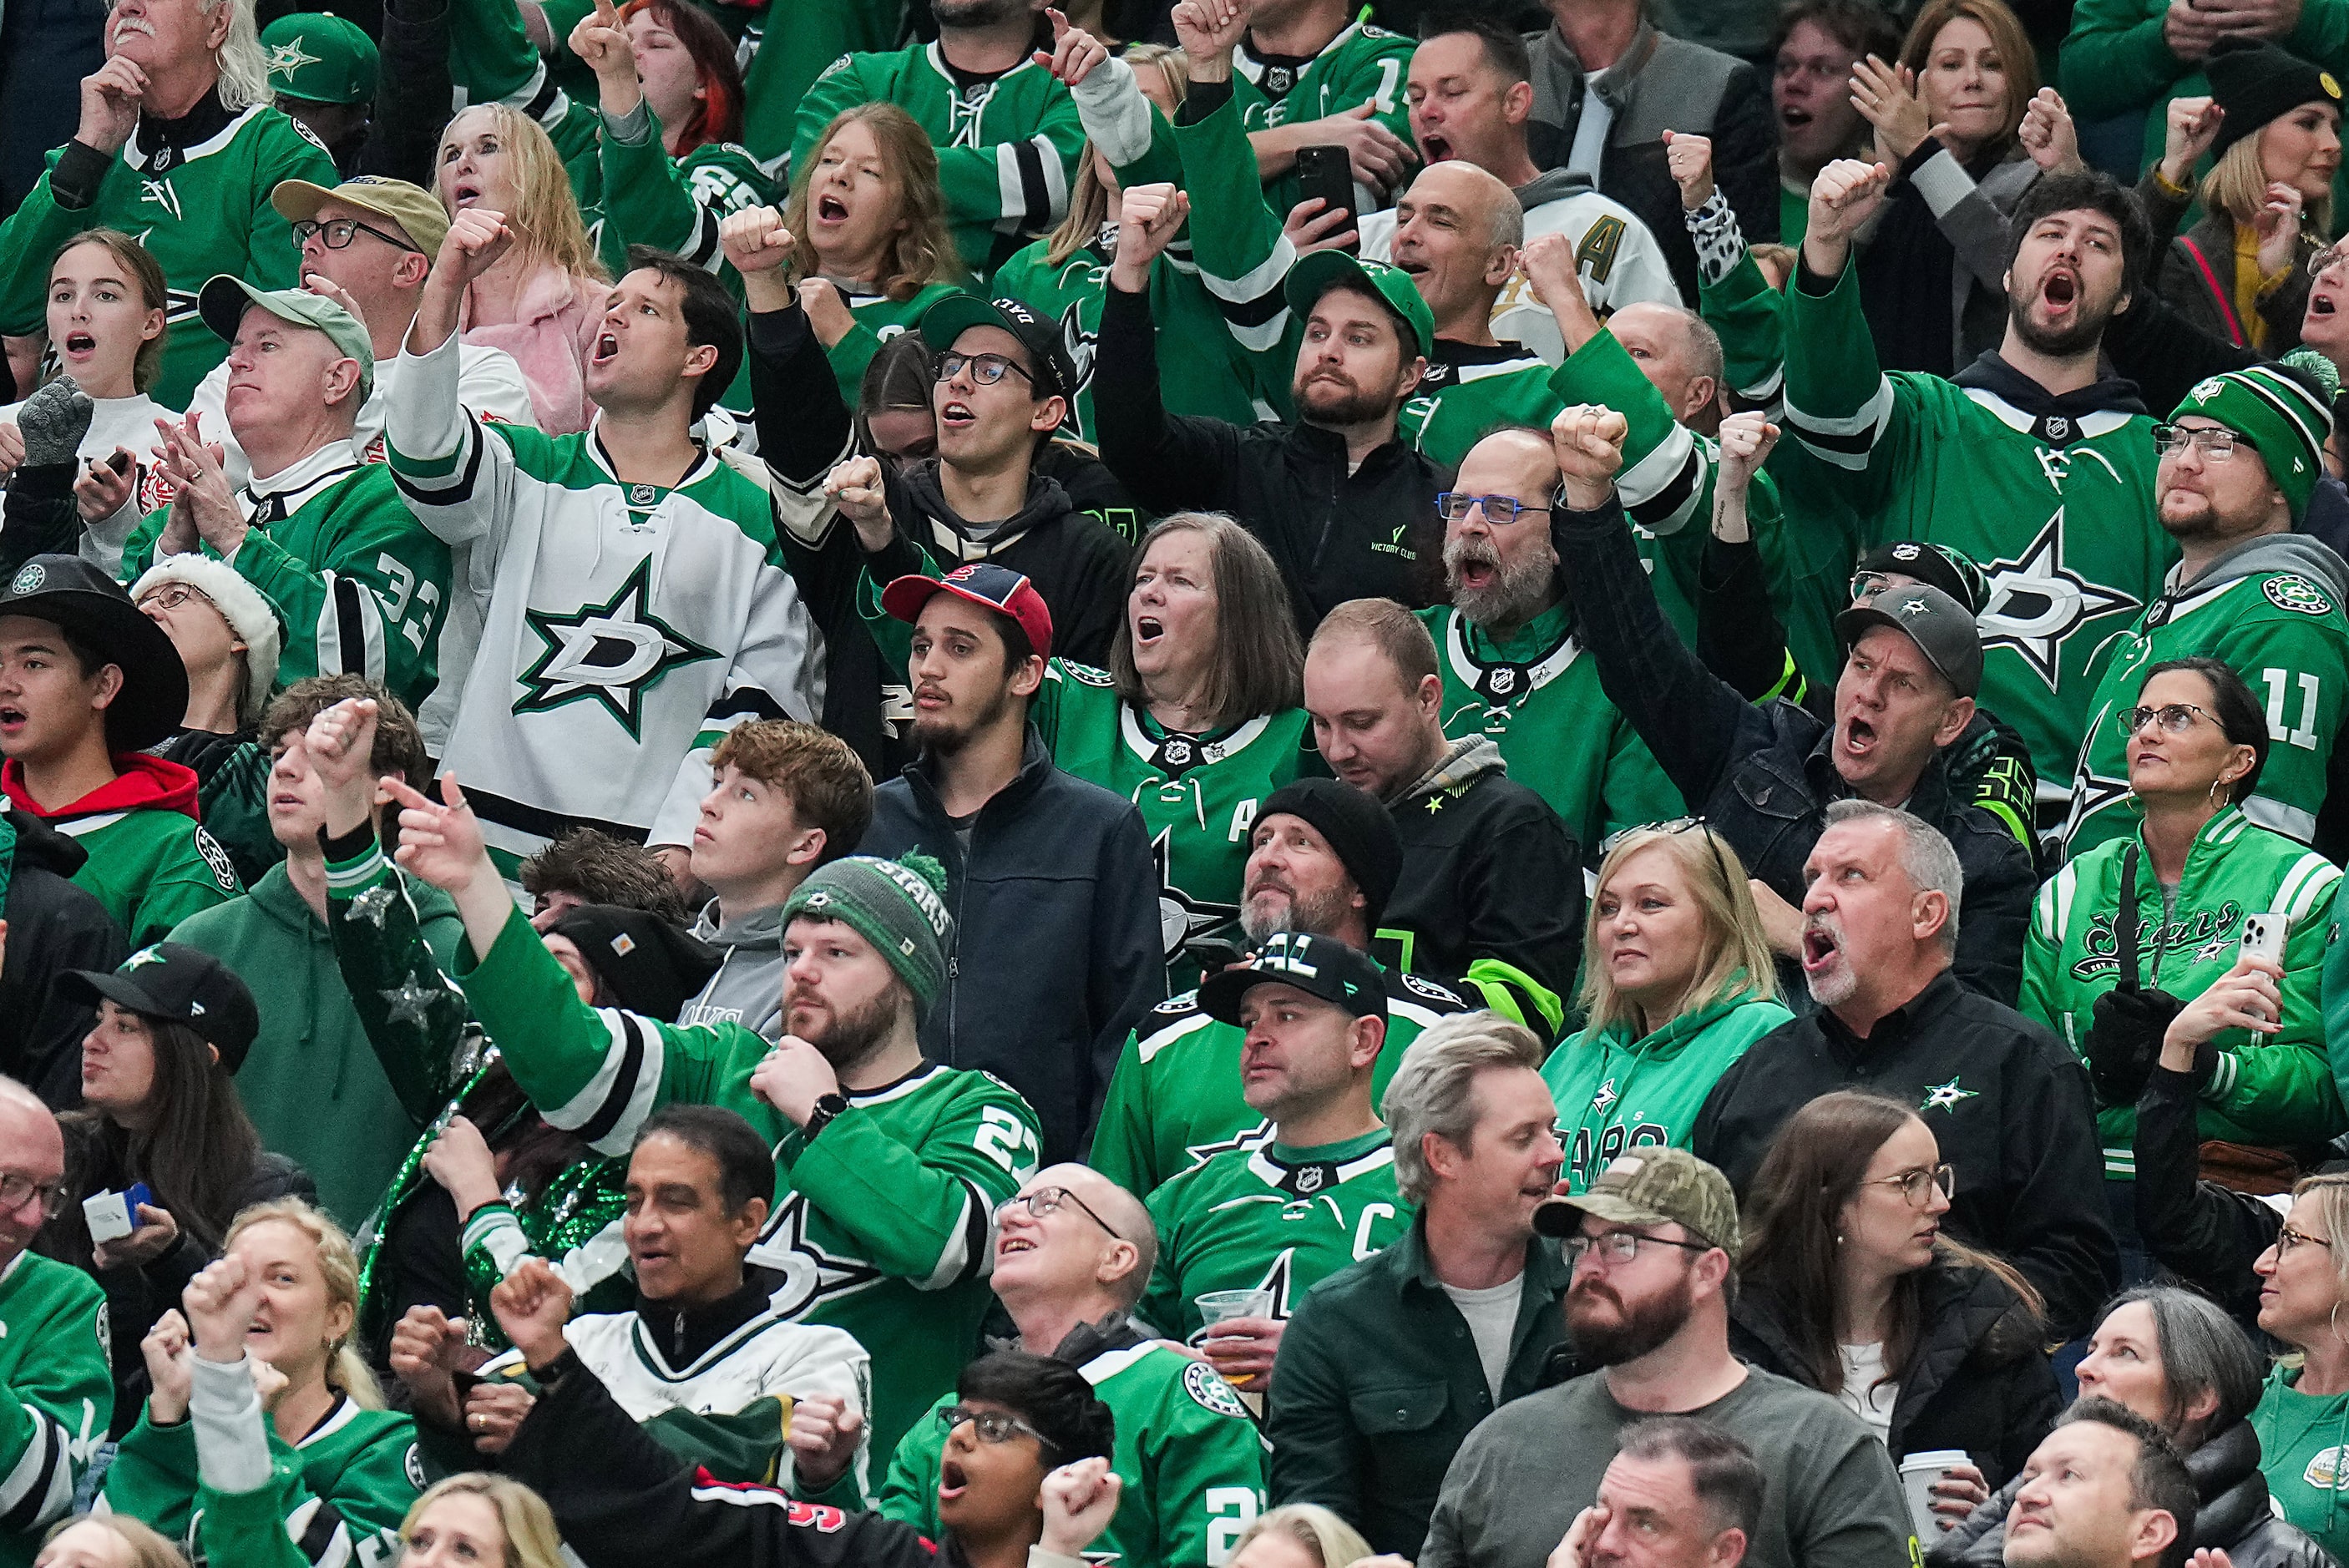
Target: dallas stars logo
[(1254, 1137), (1946, 1096), (1182, 917), (810, 1274), (288, 57), (1080, 345), (612, 653), (1605, 1098), (2036, 602)]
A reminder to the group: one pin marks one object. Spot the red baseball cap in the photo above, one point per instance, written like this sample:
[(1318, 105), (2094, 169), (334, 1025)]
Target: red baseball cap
[(984, 584)]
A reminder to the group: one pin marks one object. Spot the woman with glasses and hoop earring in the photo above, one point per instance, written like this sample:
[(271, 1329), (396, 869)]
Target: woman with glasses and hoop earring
[(1677, 981), (2127, 935), (2302, 1416), (1848, 1285)]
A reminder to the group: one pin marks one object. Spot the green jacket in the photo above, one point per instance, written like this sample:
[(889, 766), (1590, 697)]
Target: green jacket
[(2280, 1091), (1378, 1384), (313, 1085), (56, 1396), (1615, 1092), (150, 862), (2305, 1454)]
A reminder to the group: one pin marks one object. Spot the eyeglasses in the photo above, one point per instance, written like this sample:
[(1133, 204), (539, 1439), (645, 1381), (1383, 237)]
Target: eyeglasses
[(15, 1190), (2216, 443), (2287, 1238), (1613, 842), (1045, 1201), (2336, 251), (2177, 717), (993, 1426), (1867, 585), (1913, 1185), (1620, 1246), (171, 595), (986, 370), (1499, 510), (337, 233)]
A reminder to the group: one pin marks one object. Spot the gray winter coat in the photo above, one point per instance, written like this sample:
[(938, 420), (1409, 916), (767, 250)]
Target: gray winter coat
[(748, 988)]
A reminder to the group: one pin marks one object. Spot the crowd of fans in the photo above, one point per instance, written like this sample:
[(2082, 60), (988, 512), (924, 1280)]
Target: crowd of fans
[(1177, 784)]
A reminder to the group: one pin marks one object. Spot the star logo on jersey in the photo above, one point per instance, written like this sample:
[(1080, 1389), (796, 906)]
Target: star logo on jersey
[(1946, 1096), (1606, 1097), (1250, 1137), (811, 1275), (2211, 951), (1078, 342), (2297, 594), (1182, 917), (2037, 601), (611, 653), (288, 57), (1209, 1391)]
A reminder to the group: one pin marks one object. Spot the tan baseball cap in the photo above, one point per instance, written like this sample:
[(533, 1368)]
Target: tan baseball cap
[(1653, 1187), (411, 210)]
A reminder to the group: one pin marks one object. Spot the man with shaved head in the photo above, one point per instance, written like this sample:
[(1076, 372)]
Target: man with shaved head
[(56, 1393), (1072, 1254)]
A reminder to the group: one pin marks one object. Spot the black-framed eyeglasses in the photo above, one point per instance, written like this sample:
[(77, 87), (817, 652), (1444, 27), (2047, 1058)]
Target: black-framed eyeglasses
[(1044, 1201), (2215, 442), (15, 1188), (1500, 510), (2287, 1238), (986, 370), (171, 595), (1914, 1184), (993, 1426), (336, 234), (1613, 842), (2177, 717), (1620, 1246)]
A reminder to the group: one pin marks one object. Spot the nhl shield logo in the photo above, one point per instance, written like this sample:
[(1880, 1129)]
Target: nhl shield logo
[(2059, 428), (1308, 1179), (1277, 80), (1504, 682), (1178, 752)]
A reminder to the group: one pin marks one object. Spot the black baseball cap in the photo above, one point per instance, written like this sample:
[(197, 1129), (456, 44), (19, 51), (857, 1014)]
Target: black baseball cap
[(958, 313), (186, 985), (66, 591), (1319, 966), (1940, 626), (1948, 569)]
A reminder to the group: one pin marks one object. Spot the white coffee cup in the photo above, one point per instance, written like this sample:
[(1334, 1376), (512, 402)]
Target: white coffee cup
[(1919, 1471)]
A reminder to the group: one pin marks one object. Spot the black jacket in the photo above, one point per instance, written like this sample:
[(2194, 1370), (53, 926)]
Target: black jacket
[(1056, 942), (1763, 774), (2007, 1100), (1490, 898), (1336, 536), (53, 927), (2205, 1233), (1979, 1378), (2232, 1514)]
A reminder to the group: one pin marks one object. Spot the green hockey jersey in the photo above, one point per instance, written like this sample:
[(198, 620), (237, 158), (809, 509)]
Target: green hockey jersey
[(2271, 609), (879, 317), (1187, 1449), (56, 1396), (1006, 145), (1174, 1101), (881, 1223), (2273, 1090), (1539, 698), (1363, 65), (150, 862), (359, 587), (1469, 390), (197, 210), (805, 40), (2053, 496), (628, 626), (1616, 1093), (1274, 1219)]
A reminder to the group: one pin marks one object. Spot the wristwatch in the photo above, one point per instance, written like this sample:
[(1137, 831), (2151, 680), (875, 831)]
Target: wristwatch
[(826, 1107)]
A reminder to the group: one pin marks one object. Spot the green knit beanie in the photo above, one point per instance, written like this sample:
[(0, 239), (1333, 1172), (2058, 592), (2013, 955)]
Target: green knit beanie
[(898, 906), (2283, 418)]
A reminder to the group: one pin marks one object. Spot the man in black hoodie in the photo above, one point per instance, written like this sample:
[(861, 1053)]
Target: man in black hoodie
[(52, 925)]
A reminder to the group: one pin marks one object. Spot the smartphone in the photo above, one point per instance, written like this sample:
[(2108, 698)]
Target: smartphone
[(2263, 936), (140, 1193), (1327, 172), (121, 460)]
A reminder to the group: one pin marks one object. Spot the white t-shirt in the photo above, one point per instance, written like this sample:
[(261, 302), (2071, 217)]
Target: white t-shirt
[(1867, 1392), (121, 422), (1492, 1314)]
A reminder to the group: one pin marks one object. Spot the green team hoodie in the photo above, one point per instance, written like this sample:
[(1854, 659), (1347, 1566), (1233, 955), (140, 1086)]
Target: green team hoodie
[(313, 1085), (150, 862), (56, 1396), (2305, 1454), (882, 1222), (1190, 1456), (2271, 609), (2280, 1091), (1616, 1093)]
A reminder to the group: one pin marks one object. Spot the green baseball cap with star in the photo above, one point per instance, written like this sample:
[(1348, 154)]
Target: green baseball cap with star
[(319, 58), (1318, 273), (225, 298), (1652, 1186)]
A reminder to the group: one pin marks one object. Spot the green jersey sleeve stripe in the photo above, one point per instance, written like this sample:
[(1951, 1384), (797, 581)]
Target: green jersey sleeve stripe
[(1034, 184), (39, 1488), (350, 629), (2309, 882), (614, 1101), (1845, 441), (2292, 821), (1660, 491)]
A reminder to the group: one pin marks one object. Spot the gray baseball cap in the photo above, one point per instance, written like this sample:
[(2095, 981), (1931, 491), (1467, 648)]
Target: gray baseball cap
[(223, 304), (1940, 627)]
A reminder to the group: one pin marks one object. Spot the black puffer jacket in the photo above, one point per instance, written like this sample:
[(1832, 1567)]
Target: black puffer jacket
[(1978, 1379), (2232, 1515), (53, 927)]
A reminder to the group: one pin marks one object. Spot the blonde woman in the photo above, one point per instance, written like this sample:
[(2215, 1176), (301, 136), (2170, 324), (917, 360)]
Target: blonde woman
[(1297, 1535), (2273, 124), (1677, 982), (106, 1541), (262, 1411), (542, 301), (2302, 1416), (470, 1520), (870, 223)]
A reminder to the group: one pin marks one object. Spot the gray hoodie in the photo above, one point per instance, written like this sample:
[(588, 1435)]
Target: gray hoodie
[(748, 988), (2298, 553)]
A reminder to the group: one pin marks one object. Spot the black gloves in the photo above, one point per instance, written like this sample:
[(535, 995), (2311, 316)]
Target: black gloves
[(2125, 1041)]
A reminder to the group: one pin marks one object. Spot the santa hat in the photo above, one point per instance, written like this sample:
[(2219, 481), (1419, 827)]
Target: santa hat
[(249, 614)]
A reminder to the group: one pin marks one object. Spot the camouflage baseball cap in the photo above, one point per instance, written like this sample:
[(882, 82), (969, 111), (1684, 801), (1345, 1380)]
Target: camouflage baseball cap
[(1653, 1187)]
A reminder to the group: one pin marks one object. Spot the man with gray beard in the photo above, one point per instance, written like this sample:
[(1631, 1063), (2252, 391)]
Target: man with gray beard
[(2006, 1101), (1507, 647)]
